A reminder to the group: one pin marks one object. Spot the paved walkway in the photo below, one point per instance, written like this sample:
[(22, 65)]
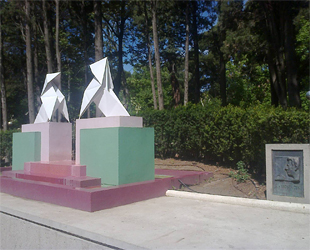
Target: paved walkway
[(175, 223)]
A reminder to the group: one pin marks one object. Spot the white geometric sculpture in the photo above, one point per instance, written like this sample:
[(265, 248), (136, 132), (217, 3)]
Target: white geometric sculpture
[(52, 99), (100, 91)]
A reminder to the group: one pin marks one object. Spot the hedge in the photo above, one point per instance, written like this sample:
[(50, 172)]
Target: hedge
[(6, 147), (225, 134)]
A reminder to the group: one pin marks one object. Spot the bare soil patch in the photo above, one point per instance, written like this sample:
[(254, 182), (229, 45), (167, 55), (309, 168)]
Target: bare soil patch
[(220, 184)]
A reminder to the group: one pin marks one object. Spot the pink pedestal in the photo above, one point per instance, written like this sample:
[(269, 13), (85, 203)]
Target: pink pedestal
[(82, 192), (56, 140), (103, 122), (55, 169), (68, 175)]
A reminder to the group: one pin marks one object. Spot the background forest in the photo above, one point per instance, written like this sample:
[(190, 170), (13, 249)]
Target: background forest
[(216, 79)]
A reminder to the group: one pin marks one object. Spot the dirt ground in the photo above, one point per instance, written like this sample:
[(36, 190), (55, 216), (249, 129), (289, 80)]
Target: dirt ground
[(220, 184)]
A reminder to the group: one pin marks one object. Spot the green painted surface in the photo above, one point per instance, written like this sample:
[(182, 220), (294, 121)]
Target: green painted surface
[(118, 155), (26, 147), (99, 152), (136, 158)]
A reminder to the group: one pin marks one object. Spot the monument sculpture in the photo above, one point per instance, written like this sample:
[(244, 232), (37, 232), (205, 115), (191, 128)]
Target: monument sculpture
[(52, 99), (50, 140), (114, 161), (100, 91), (120, 137)]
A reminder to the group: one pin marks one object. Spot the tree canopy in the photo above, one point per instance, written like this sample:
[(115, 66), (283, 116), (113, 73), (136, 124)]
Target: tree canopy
[(161, 52)]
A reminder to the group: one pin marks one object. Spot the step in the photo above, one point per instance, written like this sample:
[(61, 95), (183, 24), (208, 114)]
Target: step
[(54, 169), (72, 181), (83, 182)]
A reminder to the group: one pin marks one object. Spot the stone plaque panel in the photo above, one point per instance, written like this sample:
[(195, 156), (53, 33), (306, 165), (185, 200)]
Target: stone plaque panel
[(288, 173)]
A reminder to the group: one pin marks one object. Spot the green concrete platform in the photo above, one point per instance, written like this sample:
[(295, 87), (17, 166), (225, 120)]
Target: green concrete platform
[(26, 147), (119, 155)]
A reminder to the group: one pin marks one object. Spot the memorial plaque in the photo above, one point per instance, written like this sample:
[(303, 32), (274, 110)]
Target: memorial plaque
[(288, 173)]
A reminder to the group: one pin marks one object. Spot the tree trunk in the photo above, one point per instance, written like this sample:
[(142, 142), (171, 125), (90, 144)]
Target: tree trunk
[(222, 71), (150, 56), (186, 57), (84, 30), (175, 86), (157, 56), (3, 95), (274, 33), (29, 64), (291, 61), (58, 56), (37, 92), (47, 38), (196, 53), (98, 38), (222, 74), (120, 67), (98, 31), (273, 81)]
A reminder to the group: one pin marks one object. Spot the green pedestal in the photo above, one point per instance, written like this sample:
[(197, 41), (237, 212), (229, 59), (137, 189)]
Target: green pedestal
[(118, 155), (26, 147)]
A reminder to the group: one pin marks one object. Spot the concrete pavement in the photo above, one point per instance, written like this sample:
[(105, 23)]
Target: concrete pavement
[(167, 223)]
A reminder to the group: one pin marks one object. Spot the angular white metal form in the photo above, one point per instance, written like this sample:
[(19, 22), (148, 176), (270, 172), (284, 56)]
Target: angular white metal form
[(52, 99), (100, 91)]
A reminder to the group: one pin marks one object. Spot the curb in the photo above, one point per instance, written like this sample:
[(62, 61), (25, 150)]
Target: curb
[(284, 206)]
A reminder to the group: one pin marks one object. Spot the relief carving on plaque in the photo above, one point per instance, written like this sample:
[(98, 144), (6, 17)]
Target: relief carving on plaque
[(288, 173), (288, 169)]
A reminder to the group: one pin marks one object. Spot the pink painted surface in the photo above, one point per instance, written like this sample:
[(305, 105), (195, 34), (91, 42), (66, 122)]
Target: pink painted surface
[(12, 174), (98, 198), (40, 168), (41, 178), (83, 182), (56, 140), (103, 122), (54, 169), (51, 193), (78, 170), (57, 173), (3, 169)]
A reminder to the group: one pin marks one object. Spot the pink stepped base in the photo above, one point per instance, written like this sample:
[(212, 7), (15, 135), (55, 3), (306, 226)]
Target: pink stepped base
[(58, 190), (55, 173)]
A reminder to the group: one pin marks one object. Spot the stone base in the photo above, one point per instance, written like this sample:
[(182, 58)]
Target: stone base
[(104, 122), (62, 174), (56, 140), (26, 147), (118, 155), (288, 172), (96, 198)]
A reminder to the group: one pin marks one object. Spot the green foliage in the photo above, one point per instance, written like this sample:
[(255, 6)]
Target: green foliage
[(302, 24), (225, 134), (302, 37), (247, 82), (242, 173), (6, 138), (140, 89)]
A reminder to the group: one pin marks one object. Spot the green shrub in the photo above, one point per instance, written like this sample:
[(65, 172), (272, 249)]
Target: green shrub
[(242, 173), (6, 146), (225, 134)]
